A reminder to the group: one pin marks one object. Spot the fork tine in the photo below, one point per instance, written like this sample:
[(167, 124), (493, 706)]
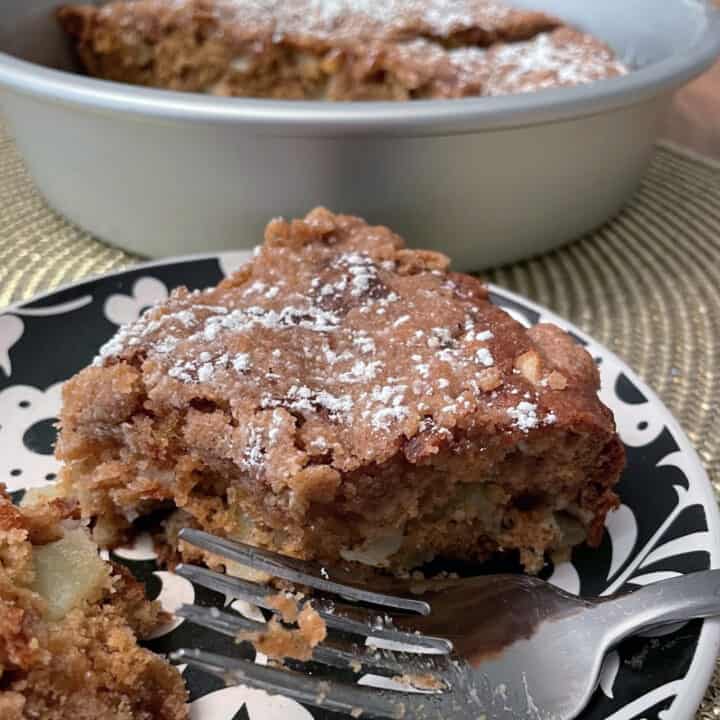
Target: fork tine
[(226, 584), (222, 622), (333, 695), (230, 625), (296, 571), (258, 595)]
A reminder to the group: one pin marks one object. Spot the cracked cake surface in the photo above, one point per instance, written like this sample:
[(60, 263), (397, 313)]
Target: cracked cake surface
[(334, 49), (343, 396), (69, 626)]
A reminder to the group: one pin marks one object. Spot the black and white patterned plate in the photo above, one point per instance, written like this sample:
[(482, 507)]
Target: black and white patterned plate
[(666, 526)]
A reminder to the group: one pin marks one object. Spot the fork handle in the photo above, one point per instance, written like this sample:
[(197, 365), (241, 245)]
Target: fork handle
[(696, 595)]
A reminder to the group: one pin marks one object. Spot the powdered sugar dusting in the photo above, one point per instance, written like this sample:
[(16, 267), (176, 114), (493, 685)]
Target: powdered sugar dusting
[(525, 415), (308, 401), (362, 270), (484, 357), (243, 320), (241, 362), (549, 60), (275, 424), (309, 350), (382, 419), (366, 17), (254, 453), (361, 371), (200, 369), (205, 372)]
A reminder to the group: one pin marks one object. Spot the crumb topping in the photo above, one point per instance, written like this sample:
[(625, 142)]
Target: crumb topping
[(279, 642)]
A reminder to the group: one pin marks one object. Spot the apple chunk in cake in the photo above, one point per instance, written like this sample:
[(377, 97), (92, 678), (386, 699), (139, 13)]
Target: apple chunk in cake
[(341, 396)]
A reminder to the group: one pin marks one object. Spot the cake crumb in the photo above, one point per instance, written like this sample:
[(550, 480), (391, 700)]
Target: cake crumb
[(279, 642), (286, 605), (425, 681)]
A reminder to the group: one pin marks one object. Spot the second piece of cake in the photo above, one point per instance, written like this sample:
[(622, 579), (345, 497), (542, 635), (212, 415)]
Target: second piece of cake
[(342, 396)]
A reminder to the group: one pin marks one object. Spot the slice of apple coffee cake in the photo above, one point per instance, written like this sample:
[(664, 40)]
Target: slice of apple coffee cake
[(342, 396)]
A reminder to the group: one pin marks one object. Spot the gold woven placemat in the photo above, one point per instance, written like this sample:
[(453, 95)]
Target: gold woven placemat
[(647, 285)]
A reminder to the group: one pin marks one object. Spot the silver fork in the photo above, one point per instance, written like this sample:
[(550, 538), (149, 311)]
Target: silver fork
[(499, 647)]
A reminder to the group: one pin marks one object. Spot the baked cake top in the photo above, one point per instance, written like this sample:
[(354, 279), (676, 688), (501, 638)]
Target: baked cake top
[(337, 343), (564, 57), (477, 21)]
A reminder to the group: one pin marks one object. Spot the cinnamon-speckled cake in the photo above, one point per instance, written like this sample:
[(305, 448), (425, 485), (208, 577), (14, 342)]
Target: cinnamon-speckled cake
[(341, 396)]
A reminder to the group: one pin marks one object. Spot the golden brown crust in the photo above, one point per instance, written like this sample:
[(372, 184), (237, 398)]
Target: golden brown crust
[(305, 49), (87, 665), (342, 390)]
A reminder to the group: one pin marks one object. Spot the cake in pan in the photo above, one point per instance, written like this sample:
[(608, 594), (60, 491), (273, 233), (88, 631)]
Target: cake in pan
[(334, 49)]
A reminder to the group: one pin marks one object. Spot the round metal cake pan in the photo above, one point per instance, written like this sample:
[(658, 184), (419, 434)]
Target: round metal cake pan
[(486, 180)]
